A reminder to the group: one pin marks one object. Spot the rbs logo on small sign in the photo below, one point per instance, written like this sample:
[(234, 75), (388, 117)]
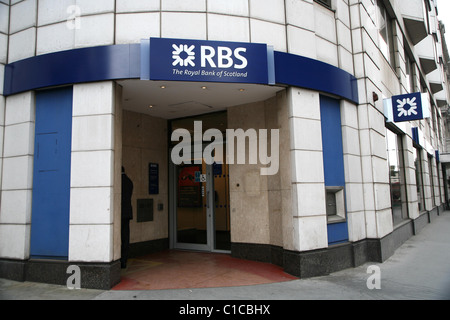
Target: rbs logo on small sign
[(212, 61)]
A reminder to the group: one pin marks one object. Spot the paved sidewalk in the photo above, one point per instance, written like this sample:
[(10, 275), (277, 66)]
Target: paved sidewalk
[(420, 269)]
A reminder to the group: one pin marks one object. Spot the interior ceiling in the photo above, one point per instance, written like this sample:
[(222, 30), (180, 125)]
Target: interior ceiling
[(172, 100)]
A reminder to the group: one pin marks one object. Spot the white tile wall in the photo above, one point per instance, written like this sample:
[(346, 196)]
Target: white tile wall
[(96, 30), (23, 15), (352, 167), (354, 197), (19, 140), (50, 11), (228, 28), (326, 51), (325, 24), (16, 207), (350, 140), (92, 169), (89, 7), (137, 5), (92, 173), (356, 226), (300, 14), (306, 47), (303, 103), (4, 18), (91, 243), (310, 199), (268, 10), (93, 133), (91, 206), (131, 28), (185, 5), (270, 33), (306, 134), (93, 98), (344, 35), (3, 48), (312, 232), (229, 7), (14, 241), (384, 222), (55, 37), (2, 75), (345, 60), (19, 108), (307, 166), (22, 45), (183, 25), (17, 173), (2, 111)]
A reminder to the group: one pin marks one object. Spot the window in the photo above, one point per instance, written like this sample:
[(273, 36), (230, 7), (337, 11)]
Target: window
[(410, 80), (430, 172), (326, 3), (385, 32), (396, 177), (419, 180), (439, 179)]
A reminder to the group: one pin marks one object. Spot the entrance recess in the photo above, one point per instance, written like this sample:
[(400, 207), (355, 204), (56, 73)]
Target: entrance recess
[(200, 211)]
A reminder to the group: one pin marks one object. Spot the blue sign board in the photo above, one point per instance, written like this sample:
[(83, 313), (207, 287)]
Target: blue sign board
[(209, 61), (153, 178), (407, 107)]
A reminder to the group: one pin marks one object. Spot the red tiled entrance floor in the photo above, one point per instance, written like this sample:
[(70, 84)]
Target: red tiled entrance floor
[(174, 269)]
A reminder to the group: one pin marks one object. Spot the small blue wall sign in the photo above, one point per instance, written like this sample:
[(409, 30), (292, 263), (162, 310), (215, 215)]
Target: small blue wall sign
[(407, 107)]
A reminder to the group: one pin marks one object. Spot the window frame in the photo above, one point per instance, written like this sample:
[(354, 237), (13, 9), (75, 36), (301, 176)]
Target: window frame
[(383, 13), (431, 177), (325, 3), (403, 195), (419, 174)]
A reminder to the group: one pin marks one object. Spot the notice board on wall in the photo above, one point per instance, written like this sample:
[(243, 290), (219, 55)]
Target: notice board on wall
[(153, 178)]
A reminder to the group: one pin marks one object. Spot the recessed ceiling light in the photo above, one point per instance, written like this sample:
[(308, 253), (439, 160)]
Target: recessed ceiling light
[(241, 90), (163, 87), (204, 88), (151, 106)]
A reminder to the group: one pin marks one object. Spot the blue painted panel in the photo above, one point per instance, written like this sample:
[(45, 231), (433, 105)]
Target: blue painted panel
[(312, 74), (333, 158), (73, 66), (337, 233), (51, 175)]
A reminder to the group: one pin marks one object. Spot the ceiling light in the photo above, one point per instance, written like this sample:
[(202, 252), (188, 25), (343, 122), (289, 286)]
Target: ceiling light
[(204, 88), (163, 87), (150, 106), (241, 90)]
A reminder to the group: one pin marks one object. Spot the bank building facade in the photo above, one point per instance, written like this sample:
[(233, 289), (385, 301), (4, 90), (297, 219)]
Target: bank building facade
[(306, 134)]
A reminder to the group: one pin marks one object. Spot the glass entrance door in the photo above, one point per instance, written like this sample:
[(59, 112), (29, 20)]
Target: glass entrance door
[(192, 204), (200, 218)]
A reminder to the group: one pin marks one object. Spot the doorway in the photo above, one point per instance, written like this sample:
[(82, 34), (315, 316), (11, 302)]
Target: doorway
[(199, 195)]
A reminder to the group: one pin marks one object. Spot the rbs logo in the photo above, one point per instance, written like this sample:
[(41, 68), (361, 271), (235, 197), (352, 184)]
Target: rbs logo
[(220, 57)]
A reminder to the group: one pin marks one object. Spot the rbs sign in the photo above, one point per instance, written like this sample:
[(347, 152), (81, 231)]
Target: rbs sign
[(210, 61)]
